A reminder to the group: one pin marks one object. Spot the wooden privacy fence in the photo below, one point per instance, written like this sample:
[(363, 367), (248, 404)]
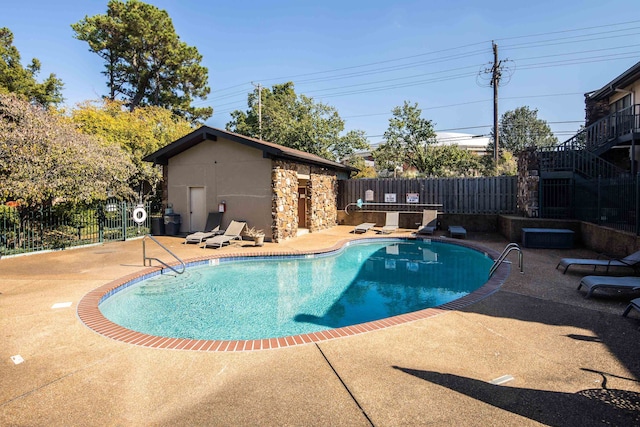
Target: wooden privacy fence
[(485, 195)]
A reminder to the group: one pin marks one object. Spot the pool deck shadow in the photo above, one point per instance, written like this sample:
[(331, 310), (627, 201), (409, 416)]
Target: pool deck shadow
[(561, 356)]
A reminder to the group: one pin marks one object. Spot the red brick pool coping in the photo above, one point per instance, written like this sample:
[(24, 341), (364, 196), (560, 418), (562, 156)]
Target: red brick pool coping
[(90, 314)]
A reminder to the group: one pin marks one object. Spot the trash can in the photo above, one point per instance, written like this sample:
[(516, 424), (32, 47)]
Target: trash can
[(172, 224), (157, 226)]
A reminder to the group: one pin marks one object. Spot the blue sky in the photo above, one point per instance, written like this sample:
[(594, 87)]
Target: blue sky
[(366, 57)]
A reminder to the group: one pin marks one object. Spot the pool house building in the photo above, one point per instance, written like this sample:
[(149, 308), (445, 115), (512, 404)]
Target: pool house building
[(277, 189)]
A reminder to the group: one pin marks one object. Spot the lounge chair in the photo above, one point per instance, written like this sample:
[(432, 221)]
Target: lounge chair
[(635, 303), (429, 221), (213, 225), (364, 227), (631, 261), (232, 232), (457, 230), (591, 283), (391, 223)]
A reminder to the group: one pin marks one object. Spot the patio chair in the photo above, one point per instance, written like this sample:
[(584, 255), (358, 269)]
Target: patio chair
[(591, 283), (631, 261), (634, 303), (232, 232), (457, 230), (364, 227), (391, 223), (429, 221), (213, 225)]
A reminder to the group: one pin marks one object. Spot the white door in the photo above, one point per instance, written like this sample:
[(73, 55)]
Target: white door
[(197, 209)]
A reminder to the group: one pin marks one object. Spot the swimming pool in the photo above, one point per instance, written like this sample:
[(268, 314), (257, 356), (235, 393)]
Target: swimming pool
[(266, 298)]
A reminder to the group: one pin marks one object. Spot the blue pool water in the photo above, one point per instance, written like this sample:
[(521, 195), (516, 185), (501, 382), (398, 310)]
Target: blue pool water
[(269, 298)]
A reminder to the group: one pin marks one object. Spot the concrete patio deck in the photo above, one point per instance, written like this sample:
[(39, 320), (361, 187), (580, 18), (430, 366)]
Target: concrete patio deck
[(574, 361)]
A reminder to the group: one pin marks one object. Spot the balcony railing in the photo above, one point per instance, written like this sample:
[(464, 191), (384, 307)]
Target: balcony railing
[(605, 133)]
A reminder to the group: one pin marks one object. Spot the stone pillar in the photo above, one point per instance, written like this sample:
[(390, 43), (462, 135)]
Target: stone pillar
[(528, 202), (284, 206), (323, 200)]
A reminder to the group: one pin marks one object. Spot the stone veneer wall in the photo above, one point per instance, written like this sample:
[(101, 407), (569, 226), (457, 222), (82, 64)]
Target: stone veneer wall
[(528, 183), (322, 200), (284, 209), (595, 110)]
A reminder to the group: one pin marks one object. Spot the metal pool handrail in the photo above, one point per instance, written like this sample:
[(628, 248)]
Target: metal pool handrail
[(145, 257), (422, 205), (510, 247)]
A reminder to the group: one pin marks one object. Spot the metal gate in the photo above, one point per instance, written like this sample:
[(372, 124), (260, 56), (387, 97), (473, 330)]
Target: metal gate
[(61, 226)]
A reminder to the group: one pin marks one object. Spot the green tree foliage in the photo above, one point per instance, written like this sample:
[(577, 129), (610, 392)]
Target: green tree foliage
[(44, 159), (406, 140), (145, 61), (521, 128), (507, 164), (364, 171), (450, 161), (297, 122), (22, 81), (139, 133)]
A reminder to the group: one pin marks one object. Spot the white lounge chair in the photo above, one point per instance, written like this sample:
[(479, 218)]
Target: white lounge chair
[(429, 221), (364, 227), (591, 283), (233, 232), (391, 223), (213, 227), (631, 261), (457, 230)]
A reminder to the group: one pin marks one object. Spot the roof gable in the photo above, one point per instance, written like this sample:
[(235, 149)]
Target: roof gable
[(625, 79), (269, 149)]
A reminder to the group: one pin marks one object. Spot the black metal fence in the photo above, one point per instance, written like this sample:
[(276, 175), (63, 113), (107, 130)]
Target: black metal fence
[(61, 226), (484, 195), (611, 202)]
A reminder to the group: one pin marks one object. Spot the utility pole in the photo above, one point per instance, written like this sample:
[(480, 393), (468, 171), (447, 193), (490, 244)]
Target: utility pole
[(494, 73), (259, 86), (495, 82)]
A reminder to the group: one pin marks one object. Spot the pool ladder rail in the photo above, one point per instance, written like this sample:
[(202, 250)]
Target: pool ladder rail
[(502, 258), (145, 257)]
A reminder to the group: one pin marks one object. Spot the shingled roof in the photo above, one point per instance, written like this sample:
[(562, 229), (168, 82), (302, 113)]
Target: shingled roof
[(269, 149)]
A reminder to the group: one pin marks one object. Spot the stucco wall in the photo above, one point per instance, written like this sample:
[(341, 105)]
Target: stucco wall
[(228, 171)]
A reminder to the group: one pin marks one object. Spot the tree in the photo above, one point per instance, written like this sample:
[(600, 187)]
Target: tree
[(138, 133), (22, 81), (521, 128), (364, 171), (145, 61), (44, 159), (296, 122), (406, 140), (450, 161)]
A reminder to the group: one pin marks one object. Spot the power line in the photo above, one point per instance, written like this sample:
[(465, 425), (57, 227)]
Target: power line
[(448, 50)]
